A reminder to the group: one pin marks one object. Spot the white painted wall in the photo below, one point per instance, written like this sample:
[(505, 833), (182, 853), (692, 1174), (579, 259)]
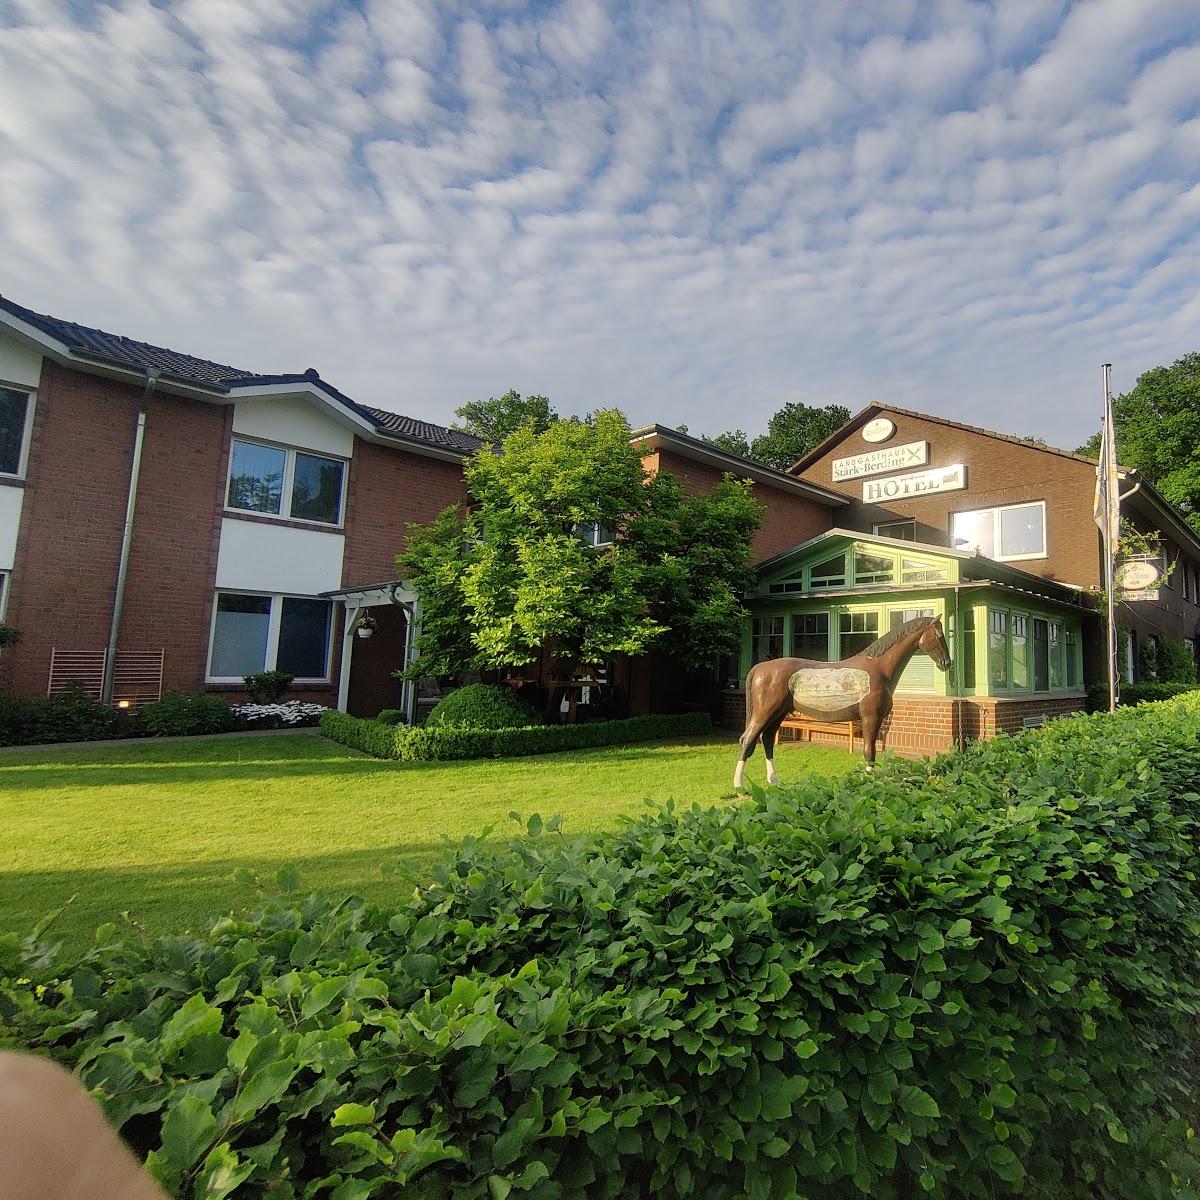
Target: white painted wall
[(10, 522), (292, 421), (258, 556), (19, 363)]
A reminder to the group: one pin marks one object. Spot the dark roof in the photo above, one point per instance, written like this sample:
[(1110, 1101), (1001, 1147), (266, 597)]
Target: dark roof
[(122, 351), (424, 431)]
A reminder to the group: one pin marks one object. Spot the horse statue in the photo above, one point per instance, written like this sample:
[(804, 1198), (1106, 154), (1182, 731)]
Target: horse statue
[(857, 689)]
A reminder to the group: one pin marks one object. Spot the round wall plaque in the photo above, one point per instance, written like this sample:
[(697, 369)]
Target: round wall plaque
[(1137, 576), (878, 430)]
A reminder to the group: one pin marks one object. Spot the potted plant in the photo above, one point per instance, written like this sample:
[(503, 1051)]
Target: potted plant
[(365, 626)]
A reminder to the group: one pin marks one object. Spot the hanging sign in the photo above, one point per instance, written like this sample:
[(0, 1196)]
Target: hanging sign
[(875, 462), (1139, 578), (900, 487), (878, 430)]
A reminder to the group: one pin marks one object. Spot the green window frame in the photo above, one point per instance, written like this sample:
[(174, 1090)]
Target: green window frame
[(766, 640), (997, 650), (1070, 641), (1018, 638), (829, 573), (810, 636), (873, 568), (856, 631)]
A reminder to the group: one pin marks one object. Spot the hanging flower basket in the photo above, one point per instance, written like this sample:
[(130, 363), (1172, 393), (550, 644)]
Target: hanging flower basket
[(365, 626)]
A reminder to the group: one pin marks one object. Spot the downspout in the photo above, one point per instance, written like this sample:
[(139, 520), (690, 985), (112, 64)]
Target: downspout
[(106, 688), (960, 647)]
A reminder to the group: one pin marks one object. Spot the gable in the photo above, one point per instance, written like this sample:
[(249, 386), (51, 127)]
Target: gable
[(842, 562)]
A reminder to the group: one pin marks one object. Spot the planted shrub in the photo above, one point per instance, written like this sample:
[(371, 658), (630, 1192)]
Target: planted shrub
[(1136, 693), (266, 687), (69, 716), (422, 743), (291, 714), (966, 979), (482, 706), (9, 635), (182, 714)]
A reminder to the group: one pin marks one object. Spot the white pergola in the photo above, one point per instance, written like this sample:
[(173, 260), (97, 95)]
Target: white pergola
[(375, 595)]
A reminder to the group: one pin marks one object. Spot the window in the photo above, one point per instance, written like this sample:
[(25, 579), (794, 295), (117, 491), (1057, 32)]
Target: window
[(767, 639), (913, 570), (1056, 655), (906, 531), (1072, 669), (14, 420), (1016, 531), (1020, 651), (269, 633), (856, 631), (872, 568), (593, 534), (810, 636), (3, 593), (281, 482), (1041, 656), (968, 649), (788, 585), (997, 649), (830, 573)]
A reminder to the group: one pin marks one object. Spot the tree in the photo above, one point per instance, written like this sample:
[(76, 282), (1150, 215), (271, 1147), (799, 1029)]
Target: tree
[(524, 569), (1158, 432), (791, 433), (493, 419)]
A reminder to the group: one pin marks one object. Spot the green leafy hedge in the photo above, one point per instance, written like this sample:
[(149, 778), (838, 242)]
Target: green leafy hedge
[(967, 979), (482, 706), (1136, 693), (421, 743)]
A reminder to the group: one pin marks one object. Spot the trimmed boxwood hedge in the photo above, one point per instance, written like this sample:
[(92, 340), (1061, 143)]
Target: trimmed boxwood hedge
[(971, 978), (483, 706), (421, 743)]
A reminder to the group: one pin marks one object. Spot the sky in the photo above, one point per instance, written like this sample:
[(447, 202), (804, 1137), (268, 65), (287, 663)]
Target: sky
[(696, 212)]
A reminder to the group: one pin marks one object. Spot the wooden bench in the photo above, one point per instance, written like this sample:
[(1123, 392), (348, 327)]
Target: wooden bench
[(798, 724)]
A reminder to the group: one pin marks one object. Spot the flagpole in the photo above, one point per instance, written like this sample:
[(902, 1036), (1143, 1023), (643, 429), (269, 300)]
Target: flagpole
[(1112, 510)]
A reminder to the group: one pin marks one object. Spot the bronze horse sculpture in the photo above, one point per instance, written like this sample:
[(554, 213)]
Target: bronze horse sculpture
[(856, 689)]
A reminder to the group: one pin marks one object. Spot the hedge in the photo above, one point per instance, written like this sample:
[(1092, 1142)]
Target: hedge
[(970, 978), (1136, 693), (483, 706), (421, 744)]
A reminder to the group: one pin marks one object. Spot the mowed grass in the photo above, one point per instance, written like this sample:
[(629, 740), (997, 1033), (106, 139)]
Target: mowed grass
[(158, 829)]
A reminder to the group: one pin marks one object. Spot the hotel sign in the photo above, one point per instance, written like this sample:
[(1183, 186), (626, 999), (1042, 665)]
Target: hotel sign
[(900, 487), (876, 462)]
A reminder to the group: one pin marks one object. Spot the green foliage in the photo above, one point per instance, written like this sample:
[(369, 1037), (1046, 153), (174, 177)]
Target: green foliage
[(1136, 693), (9, 635), (515, 575), (966, 979), (182, 714), (70, 716), (494, 419), (482, 706), (791, 433), (424, 744), (1175, 661), (734, 441), (392, 716), (267, 687)]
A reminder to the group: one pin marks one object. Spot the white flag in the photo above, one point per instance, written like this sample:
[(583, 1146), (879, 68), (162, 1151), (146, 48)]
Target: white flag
[(1106, 510)]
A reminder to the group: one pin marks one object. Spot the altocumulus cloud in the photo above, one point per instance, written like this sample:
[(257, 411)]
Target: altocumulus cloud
[(695, 210)]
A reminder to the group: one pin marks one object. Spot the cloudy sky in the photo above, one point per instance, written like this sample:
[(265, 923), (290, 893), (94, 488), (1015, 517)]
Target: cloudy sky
[(696, 211)]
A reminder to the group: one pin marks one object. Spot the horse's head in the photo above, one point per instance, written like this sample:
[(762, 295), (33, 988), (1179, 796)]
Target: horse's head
[(933, 642)]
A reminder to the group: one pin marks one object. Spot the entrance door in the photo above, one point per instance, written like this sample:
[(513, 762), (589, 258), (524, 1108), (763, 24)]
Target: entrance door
[(373, 660)]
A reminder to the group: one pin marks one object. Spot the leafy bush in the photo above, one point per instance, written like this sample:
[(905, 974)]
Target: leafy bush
[(966, 979), (392, 716), (70, 716), (9, 636), (1175, 661), (182, 714), (482, 706), (266, 687), (422, 743), (1136, 693), (292, 714)]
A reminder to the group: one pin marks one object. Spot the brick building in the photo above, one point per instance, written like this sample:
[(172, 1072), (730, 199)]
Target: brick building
[(171, 523)]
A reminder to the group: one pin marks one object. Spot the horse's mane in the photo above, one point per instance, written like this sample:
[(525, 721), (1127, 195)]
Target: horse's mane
[(878, 648)]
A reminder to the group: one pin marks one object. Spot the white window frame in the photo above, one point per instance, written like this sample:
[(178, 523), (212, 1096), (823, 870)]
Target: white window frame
[(289, 479), (273, 623), (5, 588), (878, 529), (996, 511), (27, 433), (593, 542)]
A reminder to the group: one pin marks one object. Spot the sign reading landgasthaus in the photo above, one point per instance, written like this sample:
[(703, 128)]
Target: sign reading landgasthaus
[(899, 487), (875, 462)]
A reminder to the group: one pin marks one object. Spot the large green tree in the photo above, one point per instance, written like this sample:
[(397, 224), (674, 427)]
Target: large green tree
[(493, 419), (568, 544), (791, 433), (1158, 432)]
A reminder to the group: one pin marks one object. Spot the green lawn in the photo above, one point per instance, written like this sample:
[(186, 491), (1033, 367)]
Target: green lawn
[(157, 829)]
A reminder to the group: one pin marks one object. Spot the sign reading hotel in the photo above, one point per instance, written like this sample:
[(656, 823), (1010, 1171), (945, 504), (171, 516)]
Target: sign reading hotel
[(900, 487), (875, 462)]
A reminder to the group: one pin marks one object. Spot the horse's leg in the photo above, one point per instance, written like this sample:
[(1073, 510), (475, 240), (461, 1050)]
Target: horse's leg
[(872, 717), (768, 736), (747, 742)]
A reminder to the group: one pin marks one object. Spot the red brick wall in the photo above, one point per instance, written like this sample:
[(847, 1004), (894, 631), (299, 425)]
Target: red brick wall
[(789, 520), (998, 472)]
